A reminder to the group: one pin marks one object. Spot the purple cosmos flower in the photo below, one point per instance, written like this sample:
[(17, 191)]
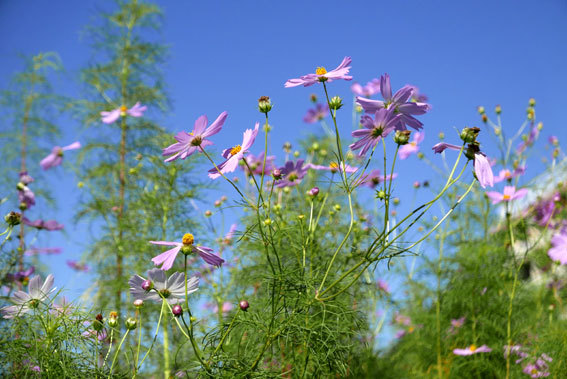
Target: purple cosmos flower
[(539, 368), (558, 251), (316, 114), (483, 170), (509, 194), (418, 97), (189, 143), (412, 147), (56, 156), (506, 174), (545, 209), (399, 102), (24, 302), (442, 146), (472, 349), (136, 111), (42, 250), (553, 140), (77, 266), (384, 122), (21, 276), (233, 155), (333, 167), (49, 225), (375, 177), (456, 324), (292, 173), (167, 258), (257, 162), (25, 195), (25, 178), (101, 335), (371, 88), (321, 75), (172, 288)]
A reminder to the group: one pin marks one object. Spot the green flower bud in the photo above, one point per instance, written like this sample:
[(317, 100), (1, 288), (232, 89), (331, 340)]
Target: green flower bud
[(532, 102), (480, 109), (498, 109), (336, 103), (13, 218), (468, 135), (381, 194), (402, 137), (441, 136), (264, 104), (131, 323)]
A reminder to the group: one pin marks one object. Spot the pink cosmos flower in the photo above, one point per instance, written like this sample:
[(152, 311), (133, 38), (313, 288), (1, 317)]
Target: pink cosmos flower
[(167, 258), (412, 147), (558, 251), (292, 173), (235, 154), (472, 349), (189, 143), (375, 177), (25, 178), (77, 266), (506, 174), (226, 307), (136, 111), (56, 156), (384, 122), (545, 209), (456, 324), (483, 170), (321, 75), (40, 224), (333, 167), (509, 194), (227, 240), (371, 88), (24, 302), (316, 114), (257, 162)]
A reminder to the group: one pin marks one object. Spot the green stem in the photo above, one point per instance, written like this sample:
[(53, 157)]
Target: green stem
[(224, 335), (117, 351)]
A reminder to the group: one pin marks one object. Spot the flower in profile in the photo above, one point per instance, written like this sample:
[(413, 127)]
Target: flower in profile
[(371, 88), (417, 96), (56, 156), (508, 194), (42, 250), (292, 173), (321, 75), (375, 177), (412, 147), (442, 146), (38, 291), (333, 167), (25, 178), (25, 196), (558, 251), (167, 258), (506, 174), (21, 276), (384, 122), (172, 288), (400, 103), (111, 116), (77, 266), (189, 143), (235, 154), (316, 114), (49, 225), (483, 170), (257, 162), (472, 349), (534, 133), (227, 240), (545, 209)]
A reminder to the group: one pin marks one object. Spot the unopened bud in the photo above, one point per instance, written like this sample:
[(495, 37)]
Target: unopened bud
[(138, 303), (13, 218), (480, 109), (131, 323), (315, 146), (80, 184), (23, 206), (267, 221), (468, 135), (402, 137), (192, 318), (177, 310), (287, 147), (337, 207), (218, 203), (147, 285), (98, 322), (540, 126), (264, 104), (420, 155), (113, 322), (484, 118), (498, 109), (416, 184), (243, 305), (208, 213), (296, 153), (336, 103), (532, 102), (441, 136), (381, 195), (497, 130), (313, 191), (396, 200), (313, 97), (276, 174)]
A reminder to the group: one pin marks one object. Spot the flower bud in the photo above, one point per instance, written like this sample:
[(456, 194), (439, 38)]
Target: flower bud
[(498, 109), (13, 218), (396, 200), (540, 126), (192, 318), (276, 174), (532, 102), (208, 213), (244, 305), (301, 217), (441, 136), (480, 109), (224, 198), (113, 322), (23, 206), (138, 303), (131, 323), (20, 186), (323, 152), (416, 184), (315, 146), (80, 184), (98, 322), (497, 130), (287, 147), (336, 103), (264, 104), (420, 155), (218, 203), (147, 285), (381, 195), (313, 192), (358, 109), (286, 190), (337, 207), (177, 310), (468, 135), (267, 222), (296, 153), (484, 118), (402, 137)]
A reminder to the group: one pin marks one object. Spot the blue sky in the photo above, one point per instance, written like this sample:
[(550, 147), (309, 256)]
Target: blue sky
[(224, 55)]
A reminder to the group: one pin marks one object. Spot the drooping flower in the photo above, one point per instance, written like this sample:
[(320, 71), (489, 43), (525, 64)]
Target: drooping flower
[(472, 349), (292, 173), (108, 117), (371, 88), (413, 147), (333, 167), (42, 250), (167, 258), (49, 225), (316, 114), (172, 288), (257, 162), (558, 251), (508, 194), (375, 177), (483, 170), (384, 122), (442, 146), (235, 154), (56, 156), (506, 174), (189, 143), (400, 103), (25, 195), (321, 75), (77, 266), (38, 291)]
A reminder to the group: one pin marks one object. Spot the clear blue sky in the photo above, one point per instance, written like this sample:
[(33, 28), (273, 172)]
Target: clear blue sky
[(224, 55)]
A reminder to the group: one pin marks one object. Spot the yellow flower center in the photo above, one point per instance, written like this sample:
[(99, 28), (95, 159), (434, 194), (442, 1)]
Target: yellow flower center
[(413, 144), (334, 166), (321, 71), (123, 108), (506, 197), (534, 371), (411, 329), (507, 174), (188, 239), (113, 314), (235, 150), (472, 347)]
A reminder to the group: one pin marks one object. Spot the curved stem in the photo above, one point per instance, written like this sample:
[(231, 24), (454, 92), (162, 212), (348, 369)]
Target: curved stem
[(117, 351)]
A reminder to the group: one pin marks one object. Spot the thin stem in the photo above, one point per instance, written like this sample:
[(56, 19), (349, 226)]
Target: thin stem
[(117, 351), (224, 335)]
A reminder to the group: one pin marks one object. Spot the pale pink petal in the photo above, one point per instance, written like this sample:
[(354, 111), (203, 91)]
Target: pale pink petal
[(73, 146), (110, 117)]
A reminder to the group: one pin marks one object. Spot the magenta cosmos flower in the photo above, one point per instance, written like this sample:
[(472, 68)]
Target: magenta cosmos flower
[(375, 177), (235, 154), (167, 258), (188, 143), (508, 194), (472, 349), (292, 173), (257, 162), (384, 122), (371, 88), (506, 174), (321, 75), (316, 114), (558, 251), (400, 102), (442, 146), (136, 111), (412, 147), (45, 225), (56, 156)]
